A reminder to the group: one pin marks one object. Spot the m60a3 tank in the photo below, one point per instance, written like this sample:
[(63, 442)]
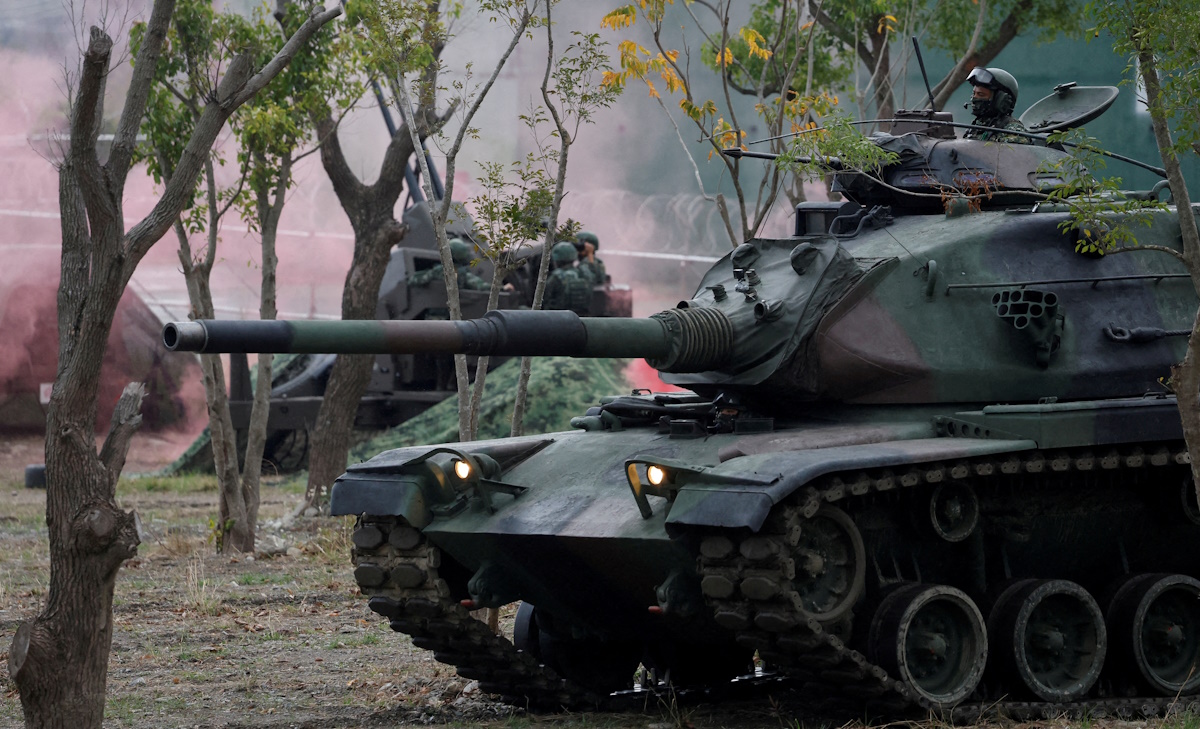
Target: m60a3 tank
[(926, 461)]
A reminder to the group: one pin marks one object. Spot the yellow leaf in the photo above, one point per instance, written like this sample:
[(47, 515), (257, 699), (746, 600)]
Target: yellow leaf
[(619, 18), (653, 91), (726, 57)]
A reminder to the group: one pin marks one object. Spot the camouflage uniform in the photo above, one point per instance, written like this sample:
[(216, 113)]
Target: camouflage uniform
[(1003, 122), (567, 288), (466, 279), (593, 271)]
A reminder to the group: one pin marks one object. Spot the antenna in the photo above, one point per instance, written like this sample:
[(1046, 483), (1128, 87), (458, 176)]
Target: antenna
[(925, 76)]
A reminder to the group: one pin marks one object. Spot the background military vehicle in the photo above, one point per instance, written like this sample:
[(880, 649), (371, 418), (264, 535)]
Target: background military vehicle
[(402, 385), (926, 462)]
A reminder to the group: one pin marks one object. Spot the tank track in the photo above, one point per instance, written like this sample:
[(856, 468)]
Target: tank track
[(398, 569), (749, 587)]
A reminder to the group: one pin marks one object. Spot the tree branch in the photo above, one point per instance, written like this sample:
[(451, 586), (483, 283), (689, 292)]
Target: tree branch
[(139, 90), (126, 419), (208, 126), (1009, 27)]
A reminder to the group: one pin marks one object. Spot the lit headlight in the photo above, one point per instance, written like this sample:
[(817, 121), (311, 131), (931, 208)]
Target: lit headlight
[(656, 475), (462, 469)]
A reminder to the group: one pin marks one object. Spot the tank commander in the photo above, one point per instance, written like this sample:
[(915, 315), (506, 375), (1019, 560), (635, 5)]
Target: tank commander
[(589, 265), (567, 288), (460, 253), (993, 98)]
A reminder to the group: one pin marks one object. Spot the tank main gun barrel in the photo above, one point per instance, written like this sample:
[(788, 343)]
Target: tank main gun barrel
[(678, 340)]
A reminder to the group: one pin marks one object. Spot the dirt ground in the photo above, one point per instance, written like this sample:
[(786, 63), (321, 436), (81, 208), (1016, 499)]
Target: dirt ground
[(203, 640)]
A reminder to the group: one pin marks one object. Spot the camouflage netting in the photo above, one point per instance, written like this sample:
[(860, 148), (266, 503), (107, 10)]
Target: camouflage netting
[(198, 457), (559, 389)]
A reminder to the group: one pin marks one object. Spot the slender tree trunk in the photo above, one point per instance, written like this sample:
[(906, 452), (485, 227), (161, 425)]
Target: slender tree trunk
[(330, 441), (560, 180), (1185, 377)]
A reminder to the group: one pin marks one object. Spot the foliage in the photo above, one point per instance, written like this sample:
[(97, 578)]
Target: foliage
[(199, 43), (1172, 29), (971, 33), (774, 58), (810, 152), (1105, 217), (400, 37), (512, 207)]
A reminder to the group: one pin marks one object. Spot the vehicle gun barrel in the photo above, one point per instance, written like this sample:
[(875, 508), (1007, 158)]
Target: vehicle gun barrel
[(672, 341)]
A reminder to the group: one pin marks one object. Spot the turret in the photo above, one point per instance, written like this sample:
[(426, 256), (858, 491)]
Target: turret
[(865, 303)]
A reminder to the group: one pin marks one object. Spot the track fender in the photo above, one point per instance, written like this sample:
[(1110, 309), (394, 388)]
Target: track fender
[(380, 495), (708, 502)]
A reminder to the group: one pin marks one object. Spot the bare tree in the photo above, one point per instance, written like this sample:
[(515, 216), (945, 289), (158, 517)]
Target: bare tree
[(59, 660)]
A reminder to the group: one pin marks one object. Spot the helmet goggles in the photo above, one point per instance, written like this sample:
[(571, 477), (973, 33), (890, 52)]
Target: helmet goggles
[(980, 76)]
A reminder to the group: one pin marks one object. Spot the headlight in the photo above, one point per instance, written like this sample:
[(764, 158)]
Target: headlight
[(650, 479), (462, 469)]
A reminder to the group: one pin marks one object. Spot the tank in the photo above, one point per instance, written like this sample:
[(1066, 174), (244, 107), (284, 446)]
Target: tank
[(402, 386), (924, 461)]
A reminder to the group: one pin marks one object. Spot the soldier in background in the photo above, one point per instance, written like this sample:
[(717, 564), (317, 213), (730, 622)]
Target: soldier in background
[(993, 98), (590, 266), (567, 288), (460, 253)]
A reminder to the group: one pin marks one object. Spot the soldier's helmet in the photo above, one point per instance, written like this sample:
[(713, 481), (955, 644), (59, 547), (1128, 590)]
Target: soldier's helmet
[(589, 237), (1004, 91), (563, 252), (460, 252)]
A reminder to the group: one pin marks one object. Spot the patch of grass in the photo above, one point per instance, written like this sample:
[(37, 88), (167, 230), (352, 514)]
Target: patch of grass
[(199, 594), (264, 578), (372, 639), (294, 484), (1182, 720), (188, 483), (125, 707), (332, 543), (180, 543)]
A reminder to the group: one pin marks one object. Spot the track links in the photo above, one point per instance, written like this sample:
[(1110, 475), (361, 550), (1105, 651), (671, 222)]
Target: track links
[(749, 587), (398, 569)]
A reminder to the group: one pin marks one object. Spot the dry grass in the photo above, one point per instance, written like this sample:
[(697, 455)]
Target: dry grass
[(199, 595)]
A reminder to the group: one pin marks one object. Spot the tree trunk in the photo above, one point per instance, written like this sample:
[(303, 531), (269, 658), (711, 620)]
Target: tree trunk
[(330, 442), (59, 660), (1185, 377)]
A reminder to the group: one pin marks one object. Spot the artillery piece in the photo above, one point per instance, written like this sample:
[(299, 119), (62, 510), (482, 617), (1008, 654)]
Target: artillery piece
[(926, 461)]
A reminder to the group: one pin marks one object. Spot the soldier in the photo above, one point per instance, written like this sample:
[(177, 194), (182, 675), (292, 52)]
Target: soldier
[(567, 288), (993, 98), (460, 253), (589, 265)]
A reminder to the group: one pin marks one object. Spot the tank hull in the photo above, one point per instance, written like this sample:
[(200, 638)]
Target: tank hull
[(1089, 494)]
